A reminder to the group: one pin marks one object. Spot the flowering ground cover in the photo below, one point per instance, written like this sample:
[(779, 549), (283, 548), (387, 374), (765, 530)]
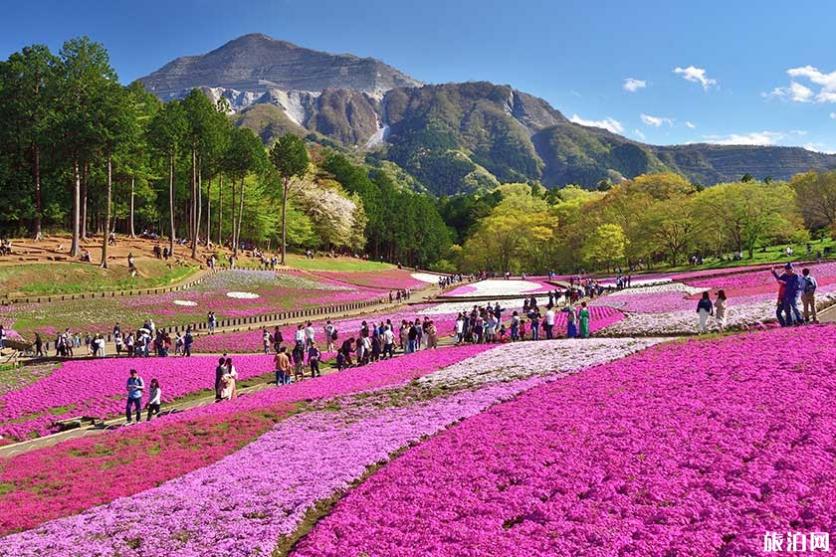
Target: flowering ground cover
[(691, 449), (35, 487), (230, 294), (390, 279), (259, 495), (671, 308), (501, 287), (96, 388)]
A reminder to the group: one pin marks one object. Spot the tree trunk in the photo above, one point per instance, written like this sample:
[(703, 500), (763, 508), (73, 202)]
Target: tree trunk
[(198, 214), (193, 205), (240, 218), (220, 210), (76, 209), (106, 233), (208, 210), (234, 221), (85, 178), (36, 171), (133, 196), (171, 204), (284, 220)]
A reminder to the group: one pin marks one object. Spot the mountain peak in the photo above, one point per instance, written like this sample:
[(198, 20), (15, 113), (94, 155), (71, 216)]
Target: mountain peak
[(257, 63)]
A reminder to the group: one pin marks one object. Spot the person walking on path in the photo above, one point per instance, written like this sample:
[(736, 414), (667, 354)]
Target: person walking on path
[(188, 340), (154, 400), (229, 389), (282, 367), (720, 305), (808, 295), (330, 336), (571, 322), (135, 387), (219, 374), (314, 355), (789, 298), (704, 309), (548, 323), (583, 318)]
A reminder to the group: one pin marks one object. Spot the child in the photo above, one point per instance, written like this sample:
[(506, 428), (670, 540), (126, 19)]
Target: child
[(340, 361), (314, 355), (153, 404)]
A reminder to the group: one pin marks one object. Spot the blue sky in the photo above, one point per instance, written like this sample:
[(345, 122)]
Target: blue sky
[(749, 71)]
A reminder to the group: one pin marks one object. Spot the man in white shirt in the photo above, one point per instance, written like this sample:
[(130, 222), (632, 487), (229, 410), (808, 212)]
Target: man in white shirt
[(388, 342), (460, 329), (310, 335), (548, 323)]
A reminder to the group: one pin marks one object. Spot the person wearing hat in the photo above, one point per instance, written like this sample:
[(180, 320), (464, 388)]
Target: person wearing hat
[(135, 387), (788, 310)]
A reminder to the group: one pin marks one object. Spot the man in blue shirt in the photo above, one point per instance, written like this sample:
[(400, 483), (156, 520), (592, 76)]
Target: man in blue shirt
[(789, 299), (135, 387)]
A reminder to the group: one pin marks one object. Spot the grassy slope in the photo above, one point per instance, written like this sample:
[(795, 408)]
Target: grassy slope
[(772, 254), (71, 278)]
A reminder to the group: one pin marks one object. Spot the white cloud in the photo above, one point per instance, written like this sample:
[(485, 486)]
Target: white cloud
[(655, 121), (696, 75), (639, 134), (753, 138), (689, 125), (609, 124), (797, 92), (632, 84)]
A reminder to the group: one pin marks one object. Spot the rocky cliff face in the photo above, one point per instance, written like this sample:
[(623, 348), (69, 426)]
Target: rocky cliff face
[(250, 66), (452, 137)]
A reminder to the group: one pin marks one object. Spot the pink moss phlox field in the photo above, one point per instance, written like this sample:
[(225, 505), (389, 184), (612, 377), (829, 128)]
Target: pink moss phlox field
[(97, 388), (143, 456), (689, 449), (391, 279), (240, 506), (600, 317), (762, 281)]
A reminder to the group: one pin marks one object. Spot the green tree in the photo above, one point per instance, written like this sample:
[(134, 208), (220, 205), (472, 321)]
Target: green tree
[(607, 246), (166, 133), (27, 99), (290, 157), (84, 70)]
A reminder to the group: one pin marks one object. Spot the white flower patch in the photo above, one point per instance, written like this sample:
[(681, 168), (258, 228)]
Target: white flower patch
[(188, 303), (659, 289), (501, 287), (525, 359), (426, 277), (242, 295)]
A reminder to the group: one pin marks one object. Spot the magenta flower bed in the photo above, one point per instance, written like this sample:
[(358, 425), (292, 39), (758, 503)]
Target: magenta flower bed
[(600, 317), (37, 487), (689, 449), (97, 388), (762, 281), (393, 279)]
